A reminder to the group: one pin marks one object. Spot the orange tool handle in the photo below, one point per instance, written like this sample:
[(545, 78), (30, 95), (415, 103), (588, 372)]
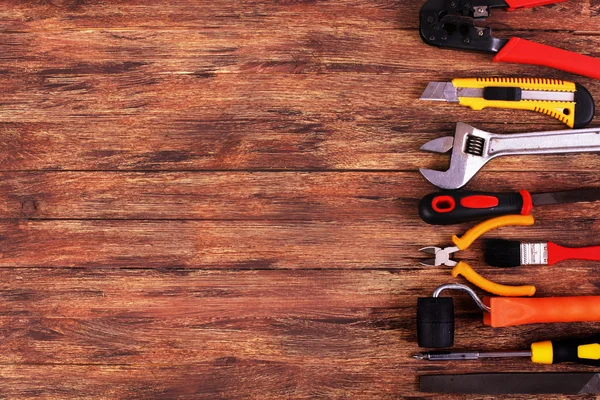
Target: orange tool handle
[(513, 4), (523, 51), (509, 311)]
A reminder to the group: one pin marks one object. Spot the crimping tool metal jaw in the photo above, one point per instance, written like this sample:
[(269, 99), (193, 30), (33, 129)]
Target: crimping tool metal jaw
[(450, 24)]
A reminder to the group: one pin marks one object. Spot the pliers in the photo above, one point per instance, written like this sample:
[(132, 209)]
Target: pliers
[(443, 256), (450, 24)]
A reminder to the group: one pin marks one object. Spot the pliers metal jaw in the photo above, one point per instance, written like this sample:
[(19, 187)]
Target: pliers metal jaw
[(441, 256), (451, 24)]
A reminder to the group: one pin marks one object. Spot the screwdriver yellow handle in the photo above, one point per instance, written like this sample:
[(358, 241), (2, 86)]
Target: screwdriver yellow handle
[(507, 220), (579, 351), (564, 111), (464, 269)]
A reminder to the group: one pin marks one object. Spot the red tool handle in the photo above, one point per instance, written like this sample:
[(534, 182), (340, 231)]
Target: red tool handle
[(558, 253), (512, 4), (509, 311), (523, 51), (456, 206)]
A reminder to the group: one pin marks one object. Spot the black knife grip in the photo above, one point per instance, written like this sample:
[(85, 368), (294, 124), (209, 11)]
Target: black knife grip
[(457, 206), (585, 108)]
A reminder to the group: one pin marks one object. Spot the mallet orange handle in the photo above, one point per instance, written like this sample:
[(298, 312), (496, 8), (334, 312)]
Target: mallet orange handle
[(509, 311)]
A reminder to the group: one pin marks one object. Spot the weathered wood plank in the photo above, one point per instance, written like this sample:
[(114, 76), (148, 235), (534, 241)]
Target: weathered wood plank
[(275, 284), (230, 122), (295, 50), (160, 14), (239, 379), (379, 244), (166, 334), (274, 196), (83, 110)]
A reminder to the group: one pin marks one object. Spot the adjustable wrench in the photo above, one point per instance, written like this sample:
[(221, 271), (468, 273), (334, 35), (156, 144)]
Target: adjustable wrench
[(472, 148)]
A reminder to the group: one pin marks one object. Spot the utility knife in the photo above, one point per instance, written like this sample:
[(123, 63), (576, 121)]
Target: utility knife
[(569, 102)]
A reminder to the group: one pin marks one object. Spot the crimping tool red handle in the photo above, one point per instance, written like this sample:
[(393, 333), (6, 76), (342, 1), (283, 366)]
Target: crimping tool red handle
[(523, 51), (514, 4)]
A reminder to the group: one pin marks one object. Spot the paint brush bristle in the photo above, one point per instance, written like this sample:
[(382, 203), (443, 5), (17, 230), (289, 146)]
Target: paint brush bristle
[(502, 253)]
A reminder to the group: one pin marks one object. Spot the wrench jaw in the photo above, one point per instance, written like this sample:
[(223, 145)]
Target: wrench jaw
[(445, 179), (463, 166), (440, 145)]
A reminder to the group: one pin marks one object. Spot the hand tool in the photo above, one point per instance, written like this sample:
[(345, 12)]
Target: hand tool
[(472, 148), (456, 206), (585, 351), (511, 253), (513, 383), (435, 315), (443, 256), (451, 24), (568, 102)]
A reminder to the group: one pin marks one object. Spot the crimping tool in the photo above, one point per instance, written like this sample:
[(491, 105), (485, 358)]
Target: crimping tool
[(450, 24)]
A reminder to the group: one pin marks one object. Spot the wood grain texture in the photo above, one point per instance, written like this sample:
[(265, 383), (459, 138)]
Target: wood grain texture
[(217, 200)]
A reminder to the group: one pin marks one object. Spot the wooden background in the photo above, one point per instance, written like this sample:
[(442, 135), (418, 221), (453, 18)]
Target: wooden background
[(217, 199)]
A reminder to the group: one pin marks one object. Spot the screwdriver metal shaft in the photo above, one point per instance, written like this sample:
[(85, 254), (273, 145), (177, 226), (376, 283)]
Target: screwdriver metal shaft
[(469, 355)]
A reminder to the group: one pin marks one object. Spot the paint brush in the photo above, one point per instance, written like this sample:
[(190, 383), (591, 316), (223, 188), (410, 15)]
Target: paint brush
[(510, 253)]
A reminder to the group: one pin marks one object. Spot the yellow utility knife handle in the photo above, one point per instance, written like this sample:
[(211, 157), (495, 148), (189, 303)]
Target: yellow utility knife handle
[(464, 269), (554, 85), (506, 220), (563, 111)]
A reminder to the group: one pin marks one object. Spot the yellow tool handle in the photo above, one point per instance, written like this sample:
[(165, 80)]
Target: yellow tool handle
[(563, 111), (585, 351), (464, 269), (555, 85), (506, 220)]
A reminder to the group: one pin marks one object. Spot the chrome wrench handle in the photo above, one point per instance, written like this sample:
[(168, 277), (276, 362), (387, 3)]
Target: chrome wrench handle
[(552, 142)]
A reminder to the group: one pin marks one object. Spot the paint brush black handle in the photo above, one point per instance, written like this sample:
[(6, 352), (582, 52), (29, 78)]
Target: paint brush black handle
[(457, 206)]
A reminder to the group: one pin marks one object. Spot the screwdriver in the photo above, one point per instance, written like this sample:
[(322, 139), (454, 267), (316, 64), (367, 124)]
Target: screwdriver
[(546, 352)]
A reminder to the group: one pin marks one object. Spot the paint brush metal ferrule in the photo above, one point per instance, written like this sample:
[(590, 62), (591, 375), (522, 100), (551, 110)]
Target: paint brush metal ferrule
[(534, 253)]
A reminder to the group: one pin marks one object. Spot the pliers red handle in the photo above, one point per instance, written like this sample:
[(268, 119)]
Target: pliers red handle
[(450, 24)]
